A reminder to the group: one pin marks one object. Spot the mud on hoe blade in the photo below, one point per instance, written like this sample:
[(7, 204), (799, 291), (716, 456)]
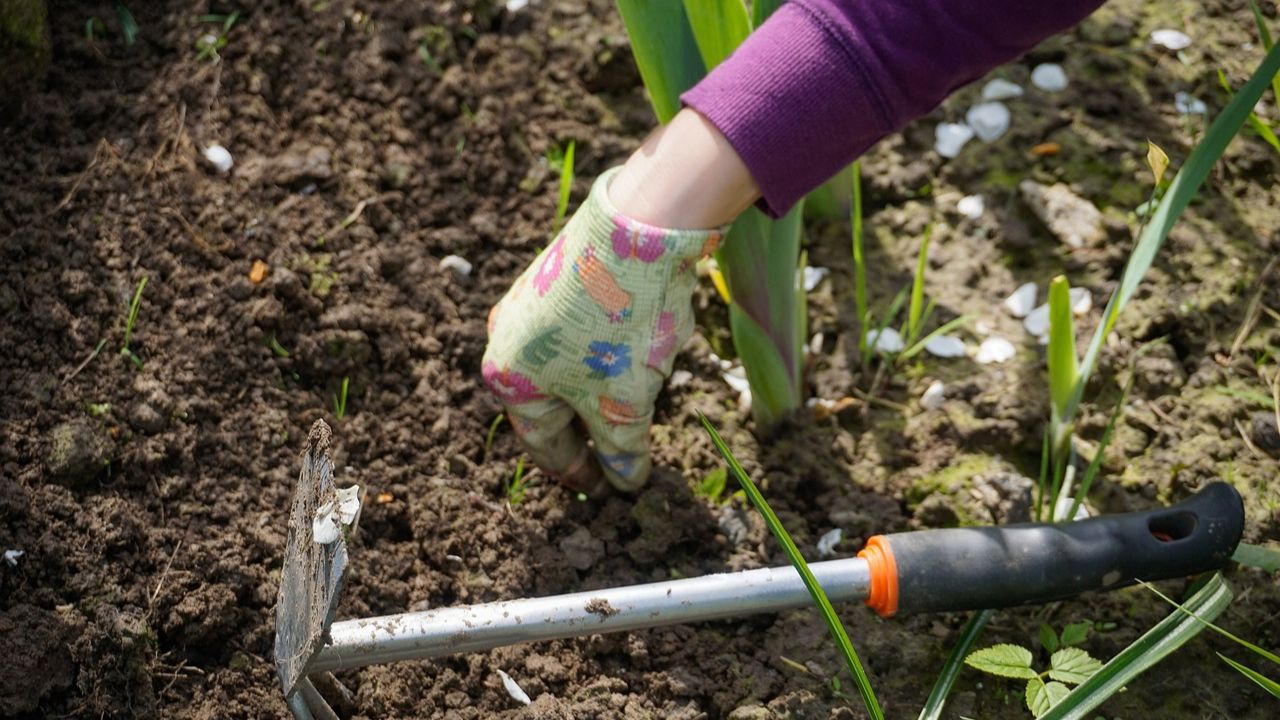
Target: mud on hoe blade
[(922, 571)]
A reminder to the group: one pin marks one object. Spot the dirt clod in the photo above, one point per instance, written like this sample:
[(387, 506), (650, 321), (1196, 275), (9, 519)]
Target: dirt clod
[(78, 450)]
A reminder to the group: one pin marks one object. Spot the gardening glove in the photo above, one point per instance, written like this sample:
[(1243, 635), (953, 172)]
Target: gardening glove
[(586, 336)]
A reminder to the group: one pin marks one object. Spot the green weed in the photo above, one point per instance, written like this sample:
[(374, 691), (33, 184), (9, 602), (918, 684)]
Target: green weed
[(517, 485), (130, 320), (209, 44), (340, 400)]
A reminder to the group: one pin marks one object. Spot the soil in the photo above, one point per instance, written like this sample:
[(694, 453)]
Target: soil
[(150, 498)]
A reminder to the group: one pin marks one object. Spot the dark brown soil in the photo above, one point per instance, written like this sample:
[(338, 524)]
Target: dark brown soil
[(151, 501)]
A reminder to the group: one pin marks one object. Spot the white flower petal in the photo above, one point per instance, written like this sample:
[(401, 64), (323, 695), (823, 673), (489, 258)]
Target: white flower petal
[(1022, 300), (950, 137), (1001, 89), (513, 689), (219, 157), (886, 340), (680, 378), (1037, 321), (348, 504), (1187, 104), (994, 349), (813, 276), (1049, 77), (933, 395), (827, 543), (989, 120), (458, 266), (11, 557), (972, 206), (1172, 39), (945, 346), (1081, 300)]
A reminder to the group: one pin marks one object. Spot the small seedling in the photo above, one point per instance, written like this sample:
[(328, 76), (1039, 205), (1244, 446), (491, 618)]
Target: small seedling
[(518, 483), (566, 183), (493, 429), (340, 400), (98, 409), (94, 29), (859, 263), (712, 486), (209, 44), (1067, 666), (277, 348), (128, 26), (130, 320)]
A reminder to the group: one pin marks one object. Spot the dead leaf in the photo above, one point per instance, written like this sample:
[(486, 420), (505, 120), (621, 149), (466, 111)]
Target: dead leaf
[(1046, 149), (258, 272), (1157, 159), (384, 498)]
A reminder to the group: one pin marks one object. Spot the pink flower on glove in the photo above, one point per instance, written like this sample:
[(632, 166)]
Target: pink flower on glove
[(640, 242), (511, 387), (549, 269)]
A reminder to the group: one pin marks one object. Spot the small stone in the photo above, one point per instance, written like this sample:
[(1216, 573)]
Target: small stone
[(581, 550), (933, 395), (219, 157), (1022, 301), (146, 419), (994, 349), (78, 450), (1001, 89), (1172, 39), (1037, 321), (972, 206), (1187, 104), (1081, 300), (989, 120), (1072, 219), (945, 346), (1265, 433), (458, 266), (886, 340), (1049, 77), (949, 138)]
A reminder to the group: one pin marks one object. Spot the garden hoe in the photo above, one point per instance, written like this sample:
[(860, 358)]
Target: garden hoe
[(923, 571)]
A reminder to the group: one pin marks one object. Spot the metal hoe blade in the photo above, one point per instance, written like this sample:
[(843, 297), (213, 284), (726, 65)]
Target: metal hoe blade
[(311, 579)]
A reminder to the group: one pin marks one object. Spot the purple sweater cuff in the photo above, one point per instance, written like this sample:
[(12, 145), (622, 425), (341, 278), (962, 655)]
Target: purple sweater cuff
[(823, 80)]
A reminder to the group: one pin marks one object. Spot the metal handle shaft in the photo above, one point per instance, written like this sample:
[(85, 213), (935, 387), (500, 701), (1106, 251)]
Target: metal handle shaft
[(470, 628)]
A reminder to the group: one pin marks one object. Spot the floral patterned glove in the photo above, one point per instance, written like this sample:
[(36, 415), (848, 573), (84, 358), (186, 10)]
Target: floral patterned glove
[(589, 331)]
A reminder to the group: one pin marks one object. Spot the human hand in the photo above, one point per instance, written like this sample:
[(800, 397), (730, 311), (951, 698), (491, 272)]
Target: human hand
[(588, 333)]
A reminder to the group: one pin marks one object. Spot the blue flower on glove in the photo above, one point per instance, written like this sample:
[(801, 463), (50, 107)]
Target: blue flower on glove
[(608, 359)]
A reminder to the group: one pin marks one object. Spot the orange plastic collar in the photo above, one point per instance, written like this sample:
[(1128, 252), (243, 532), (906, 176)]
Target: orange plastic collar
[(884, 576)]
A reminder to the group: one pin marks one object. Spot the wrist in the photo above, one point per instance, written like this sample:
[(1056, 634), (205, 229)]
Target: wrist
[(685, 175)]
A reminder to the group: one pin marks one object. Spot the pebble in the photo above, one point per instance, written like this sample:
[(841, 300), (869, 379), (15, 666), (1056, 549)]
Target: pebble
[(1187, 104), (972, 206), (736, 377), (989, 120), (581, 550), (949, 138), (1049, 77), (1265, 433), (945, 346), (1001, 89), (1072, 219), (1021, 301), (219, 157), (887, 340), (1037, 321), (994, 349), (1172, 39), (933, 395), (827, 543), (457, 265)]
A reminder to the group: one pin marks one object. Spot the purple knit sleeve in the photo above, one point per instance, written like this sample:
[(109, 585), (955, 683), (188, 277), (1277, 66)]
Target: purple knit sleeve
[(822, 80)]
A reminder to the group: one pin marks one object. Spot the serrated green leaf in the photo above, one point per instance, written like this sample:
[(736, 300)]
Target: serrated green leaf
[(1263, 681), (1043, 695), (1005, 660), (1073, 665), (1048, 638), (1075, 633)]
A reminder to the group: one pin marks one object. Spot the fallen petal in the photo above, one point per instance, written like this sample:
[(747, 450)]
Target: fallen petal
[(1001, 89), (1037, 321), (219, 158), (994, 349), (348, 504), (1172, 39), (989, 120), (827, 543), (933, 395), (972, 206), (1081, 300), (813, 276), (1187, 104), (680, 378), (950, 137), (1049, 77), (513, 689), (460, 267), (887, 340), (945, 346), (11, 557), (1022, 300)]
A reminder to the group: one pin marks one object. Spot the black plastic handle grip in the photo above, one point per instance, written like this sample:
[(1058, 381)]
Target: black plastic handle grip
[(994, 567)]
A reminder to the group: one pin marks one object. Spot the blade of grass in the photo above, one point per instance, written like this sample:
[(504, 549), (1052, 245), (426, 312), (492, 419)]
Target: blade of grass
[(942, 330), (917, 289), (1064, 368), (1181, 189), (1168, 635), (810, 582), (1260, 652), (1264, 35), (1044, 474), (1263, 681), (1258, 556), (955, 662), (566, 183), (134, 305), (859, 264), (1254, 121), (1083, 491)]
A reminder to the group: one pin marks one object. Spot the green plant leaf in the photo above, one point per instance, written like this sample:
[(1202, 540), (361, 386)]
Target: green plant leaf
[(1041, 695), (1264, 35), (665, 50), (1233, 638), (1063, 365), (1258, 556), (773, 394), (1171, 633), (917, 290), (718, 26), (806, 576), (942, 330), (1048, 638), (1072, 665), (762, 9), (1263, 681), (1095, 464), (1262, 129), (1005, 660), (1184, 186), (955, 661), (1075, 633), (566, 183), (712, 486), (859, 264)]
